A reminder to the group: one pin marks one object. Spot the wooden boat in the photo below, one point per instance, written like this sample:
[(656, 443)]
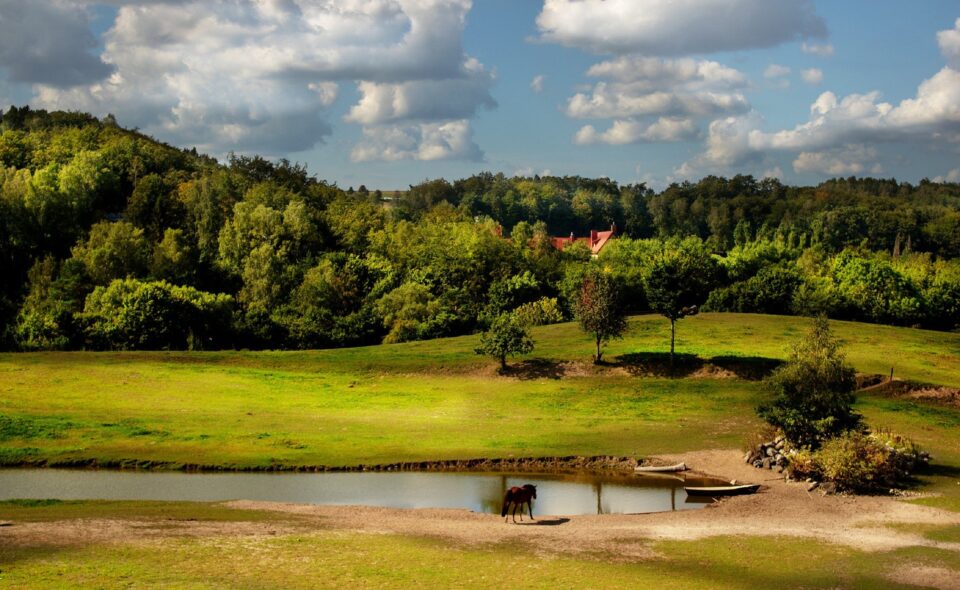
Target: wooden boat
[(663, 469), (722, 490)]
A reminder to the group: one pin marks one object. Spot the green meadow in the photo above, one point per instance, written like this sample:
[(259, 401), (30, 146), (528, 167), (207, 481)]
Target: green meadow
[(438, 400)]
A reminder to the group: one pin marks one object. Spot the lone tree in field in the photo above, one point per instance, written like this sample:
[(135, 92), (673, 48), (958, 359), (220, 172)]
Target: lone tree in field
[(678, 281), (813, 392), (506, 337), (600, 310)]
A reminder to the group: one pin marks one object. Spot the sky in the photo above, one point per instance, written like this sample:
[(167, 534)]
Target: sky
[(387, 93)]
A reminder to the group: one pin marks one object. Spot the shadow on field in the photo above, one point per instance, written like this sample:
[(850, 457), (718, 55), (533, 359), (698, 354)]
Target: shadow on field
[(750, 368), (535, 369), (657, 364)]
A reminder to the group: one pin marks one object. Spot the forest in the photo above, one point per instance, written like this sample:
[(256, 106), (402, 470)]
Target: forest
[(110, 240)]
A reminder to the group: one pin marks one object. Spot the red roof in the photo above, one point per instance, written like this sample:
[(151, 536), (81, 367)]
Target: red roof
[(596, 241)]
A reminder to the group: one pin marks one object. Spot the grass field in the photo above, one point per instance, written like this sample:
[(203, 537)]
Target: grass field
[(438, 400), (431, 400)]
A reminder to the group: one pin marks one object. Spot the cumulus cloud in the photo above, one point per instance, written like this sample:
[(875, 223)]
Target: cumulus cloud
[(952, 176), (48, 43), (821, 50), (424, 141), (664, 129), (823, 143), (425, 100), (949, 42), (844, 161), (677, 27), (776, 71), (537, 83), (813, 76), (653, 99), (260, 75)]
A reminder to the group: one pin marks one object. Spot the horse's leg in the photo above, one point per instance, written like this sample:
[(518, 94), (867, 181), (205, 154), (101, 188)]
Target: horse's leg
[(530, 508), (515, 514)]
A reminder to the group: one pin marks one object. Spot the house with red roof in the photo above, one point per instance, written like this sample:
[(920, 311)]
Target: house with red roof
[(596, 241)]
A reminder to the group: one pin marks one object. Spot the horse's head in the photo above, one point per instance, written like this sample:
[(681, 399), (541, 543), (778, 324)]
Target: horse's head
[(532, 488)]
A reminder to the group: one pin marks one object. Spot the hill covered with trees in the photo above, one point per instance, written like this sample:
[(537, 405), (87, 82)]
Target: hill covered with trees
[(111, 240)]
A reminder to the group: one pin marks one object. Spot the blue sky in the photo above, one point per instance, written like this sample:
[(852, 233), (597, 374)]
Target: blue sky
[(390, 92)]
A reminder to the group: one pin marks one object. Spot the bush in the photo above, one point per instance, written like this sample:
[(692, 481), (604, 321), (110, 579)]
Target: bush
[(813, 392), (859, 462), (541, 312)]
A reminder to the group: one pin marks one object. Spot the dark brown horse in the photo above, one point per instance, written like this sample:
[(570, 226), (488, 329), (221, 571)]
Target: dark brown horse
[(519, 497)]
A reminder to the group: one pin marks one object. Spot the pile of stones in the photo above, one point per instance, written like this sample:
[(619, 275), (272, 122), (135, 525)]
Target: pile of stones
[(768, 455)]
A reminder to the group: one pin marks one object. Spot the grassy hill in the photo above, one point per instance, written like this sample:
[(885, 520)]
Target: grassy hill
[(438, 400)]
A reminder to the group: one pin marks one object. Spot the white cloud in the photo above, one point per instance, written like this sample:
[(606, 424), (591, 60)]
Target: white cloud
[(260, 75), (537, 83), (655, 100), (425, 100), (776, 71), (776, 172), (824, 50), (823, 143), (813, 76), (949, 42), (48, 43), (844, 161), (423, 141), (664, 129), (677, 27), (952, 176)]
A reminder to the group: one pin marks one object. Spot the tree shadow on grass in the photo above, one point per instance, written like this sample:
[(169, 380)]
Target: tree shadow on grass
[(749, 368), (657, 364), (531, 369)]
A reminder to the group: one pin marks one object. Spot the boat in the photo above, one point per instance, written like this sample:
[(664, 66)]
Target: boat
[(662, 469), (722, 490)]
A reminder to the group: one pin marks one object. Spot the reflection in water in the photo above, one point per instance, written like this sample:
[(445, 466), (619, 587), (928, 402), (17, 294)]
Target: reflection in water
[(481, 492)]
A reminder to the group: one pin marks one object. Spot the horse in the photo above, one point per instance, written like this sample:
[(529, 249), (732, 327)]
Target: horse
[(519, 497)]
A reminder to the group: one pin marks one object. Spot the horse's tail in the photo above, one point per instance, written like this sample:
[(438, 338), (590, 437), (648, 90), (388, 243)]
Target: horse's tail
[(506, 502)]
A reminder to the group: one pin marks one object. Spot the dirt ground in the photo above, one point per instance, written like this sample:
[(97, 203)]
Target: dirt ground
[(779, 509)]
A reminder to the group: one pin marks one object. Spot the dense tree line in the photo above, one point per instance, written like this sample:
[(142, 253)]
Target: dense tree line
[(111, 240)]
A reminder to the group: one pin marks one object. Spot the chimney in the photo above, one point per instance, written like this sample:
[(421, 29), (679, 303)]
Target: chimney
[(571, 237), (613, 227), (593, 237)]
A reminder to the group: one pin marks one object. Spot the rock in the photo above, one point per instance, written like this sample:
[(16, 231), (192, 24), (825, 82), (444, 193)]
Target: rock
[(771, 452), (779, 439), (779, 468), (757, 464), (828, 487), (766, 463), (748, 456), (779, 446), (813, 486)]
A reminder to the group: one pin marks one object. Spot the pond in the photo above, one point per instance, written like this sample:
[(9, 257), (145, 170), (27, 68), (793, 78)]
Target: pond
[(557, 494)]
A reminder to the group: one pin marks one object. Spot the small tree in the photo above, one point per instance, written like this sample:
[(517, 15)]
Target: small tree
[(506, 337), (600, 309), (813, 392), (678, 281)]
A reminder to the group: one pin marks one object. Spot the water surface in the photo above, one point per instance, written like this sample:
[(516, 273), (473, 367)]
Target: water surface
[(480, 492)]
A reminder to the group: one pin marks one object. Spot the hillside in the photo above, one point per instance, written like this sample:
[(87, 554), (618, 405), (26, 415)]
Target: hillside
[(437, 400)]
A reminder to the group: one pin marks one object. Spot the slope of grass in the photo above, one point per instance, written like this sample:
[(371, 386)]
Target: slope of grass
[(429, 400)]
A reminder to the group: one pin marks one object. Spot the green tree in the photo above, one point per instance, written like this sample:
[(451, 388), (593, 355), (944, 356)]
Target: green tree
[(506, 337), (813, 392), (678, 280), (114, 250), (600, 309)]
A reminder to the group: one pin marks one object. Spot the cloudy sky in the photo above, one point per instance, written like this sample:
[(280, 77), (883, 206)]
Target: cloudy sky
[(391, 92)]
